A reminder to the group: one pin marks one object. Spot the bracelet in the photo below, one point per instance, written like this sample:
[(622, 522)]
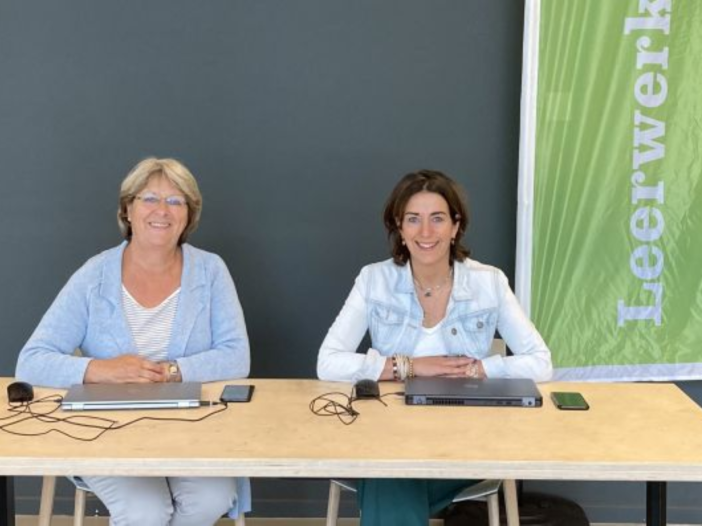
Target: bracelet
[(401, 366), (404, 365), (411, 368)]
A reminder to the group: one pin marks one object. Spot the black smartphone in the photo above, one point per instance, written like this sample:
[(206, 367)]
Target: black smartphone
[(237, 393), (569, 401)]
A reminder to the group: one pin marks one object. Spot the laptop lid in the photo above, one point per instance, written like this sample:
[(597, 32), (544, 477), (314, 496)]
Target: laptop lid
[(493, 392), (86, 397)]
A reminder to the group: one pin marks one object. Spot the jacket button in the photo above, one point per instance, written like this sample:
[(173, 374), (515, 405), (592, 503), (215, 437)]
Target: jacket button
[(454, 331), (480, 325)]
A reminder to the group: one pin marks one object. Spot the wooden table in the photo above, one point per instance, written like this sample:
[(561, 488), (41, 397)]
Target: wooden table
[(633, 432)]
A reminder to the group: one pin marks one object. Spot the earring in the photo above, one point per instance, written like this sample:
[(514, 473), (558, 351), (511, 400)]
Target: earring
[(403, 243), (453, 240)]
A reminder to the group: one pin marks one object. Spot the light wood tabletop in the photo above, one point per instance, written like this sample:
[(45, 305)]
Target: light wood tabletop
[(646, 432)]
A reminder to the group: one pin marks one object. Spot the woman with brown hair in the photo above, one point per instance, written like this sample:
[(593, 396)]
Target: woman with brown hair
[(430, 311)]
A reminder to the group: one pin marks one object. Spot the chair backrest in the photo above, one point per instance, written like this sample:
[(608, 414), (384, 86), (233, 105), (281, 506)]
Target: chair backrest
[(498, 347)]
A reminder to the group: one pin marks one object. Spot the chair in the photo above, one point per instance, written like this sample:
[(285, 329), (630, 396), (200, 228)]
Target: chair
[(46, 507), (487, 491)]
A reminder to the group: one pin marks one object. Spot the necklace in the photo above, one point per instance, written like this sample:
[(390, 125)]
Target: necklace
[(428, 291)]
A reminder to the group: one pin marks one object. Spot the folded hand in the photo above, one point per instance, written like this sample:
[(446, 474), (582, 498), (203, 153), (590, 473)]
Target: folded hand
[(128, 368)]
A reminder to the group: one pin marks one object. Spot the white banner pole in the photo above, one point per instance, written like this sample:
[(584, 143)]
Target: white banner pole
[(527, 153)]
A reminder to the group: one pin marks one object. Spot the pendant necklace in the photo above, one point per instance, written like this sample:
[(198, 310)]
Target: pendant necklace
[(428, 291)]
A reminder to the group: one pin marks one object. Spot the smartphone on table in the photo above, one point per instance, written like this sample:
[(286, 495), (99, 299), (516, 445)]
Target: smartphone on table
[(569, 401), (237, 393)]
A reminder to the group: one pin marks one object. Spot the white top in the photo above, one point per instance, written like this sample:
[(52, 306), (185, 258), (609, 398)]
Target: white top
[(430, 342), (151, 328)]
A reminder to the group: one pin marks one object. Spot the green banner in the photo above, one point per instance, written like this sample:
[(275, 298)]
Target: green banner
[(616, 283)]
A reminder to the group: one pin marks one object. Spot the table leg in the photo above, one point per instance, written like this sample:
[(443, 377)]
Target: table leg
[(7, 501), (656, 505)]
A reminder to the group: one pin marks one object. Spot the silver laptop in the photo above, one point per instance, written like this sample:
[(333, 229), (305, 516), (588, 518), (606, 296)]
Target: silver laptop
[(86, 397), (493, 392)]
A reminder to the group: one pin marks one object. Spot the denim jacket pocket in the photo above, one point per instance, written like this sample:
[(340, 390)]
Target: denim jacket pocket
[(386, 326), (477, 330)]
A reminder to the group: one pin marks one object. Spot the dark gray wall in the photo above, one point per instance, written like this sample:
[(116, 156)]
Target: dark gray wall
[(296, 117)]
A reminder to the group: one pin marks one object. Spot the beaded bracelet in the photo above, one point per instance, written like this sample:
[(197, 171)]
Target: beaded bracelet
[(403, 366)]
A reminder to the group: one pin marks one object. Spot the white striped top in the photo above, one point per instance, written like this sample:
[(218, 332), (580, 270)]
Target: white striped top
[(151, 328)]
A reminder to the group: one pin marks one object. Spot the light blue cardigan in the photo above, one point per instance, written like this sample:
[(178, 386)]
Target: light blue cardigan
[(209, 339)]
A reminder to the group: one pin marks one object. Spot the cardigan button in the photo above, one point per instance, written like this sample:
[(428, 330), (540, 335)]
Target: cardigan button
[(454, 331), (480, 325)]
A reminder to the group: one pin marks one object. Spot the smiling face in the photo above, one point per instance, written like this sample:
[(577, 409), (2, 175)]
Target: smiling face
[(427, 229), (157, 224)]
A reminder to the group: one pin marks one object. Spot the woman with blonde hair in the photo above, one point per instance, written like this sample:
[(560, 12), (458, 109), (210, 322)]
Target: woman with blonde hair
[(152, 309)]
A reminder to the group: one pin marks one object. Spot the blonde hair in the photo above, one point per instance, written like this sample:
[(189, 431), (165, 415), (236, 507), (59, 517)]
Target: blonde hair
[(177, 174)]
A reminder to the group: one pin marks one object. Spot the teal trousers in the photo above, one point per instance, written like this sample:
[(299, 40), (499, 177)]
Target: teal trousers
[(405, 502)]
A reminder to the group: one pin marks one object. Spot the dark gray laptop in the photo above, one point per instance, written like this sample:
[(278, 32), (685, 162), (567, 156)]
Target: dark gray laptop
[(493, 392), (86, 397)]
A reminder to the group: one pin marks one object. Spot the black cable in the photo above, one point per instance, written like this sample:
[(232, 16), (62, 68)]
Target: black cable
[(24, 412), (326, 405)]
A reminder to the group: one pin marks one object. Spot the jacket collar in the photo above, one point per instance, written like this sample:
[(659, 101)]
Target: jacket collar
[(404, 283), (111, 291), (191, 301), (461, 282), (111, 282)]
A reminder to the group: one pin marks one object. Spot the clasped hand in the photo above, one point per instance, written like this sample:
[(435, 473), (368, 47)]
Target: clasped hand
[(451, 366), (126, 369)]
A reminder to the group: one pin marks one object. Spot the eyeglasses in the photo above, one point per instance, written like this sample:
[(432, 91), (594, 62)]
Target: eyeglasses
[(152, 200)]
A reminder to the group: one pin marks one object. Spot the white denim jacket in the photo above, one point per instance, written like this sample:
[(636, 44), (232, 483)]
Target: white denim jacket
[(383, 301)]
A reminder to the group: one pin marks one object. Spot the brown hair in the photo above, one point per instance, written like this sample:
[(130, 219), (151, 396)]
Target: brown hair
[(177, 174), (425, 181)]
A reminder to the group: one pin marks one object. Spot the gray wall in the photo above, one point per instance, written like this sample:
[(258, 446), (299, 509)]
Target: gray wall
[(296, 117)]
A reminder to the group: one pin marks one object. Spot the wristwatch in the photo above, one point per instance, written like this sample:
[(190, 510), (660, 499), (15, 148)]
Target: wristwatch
[(173, 372)]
